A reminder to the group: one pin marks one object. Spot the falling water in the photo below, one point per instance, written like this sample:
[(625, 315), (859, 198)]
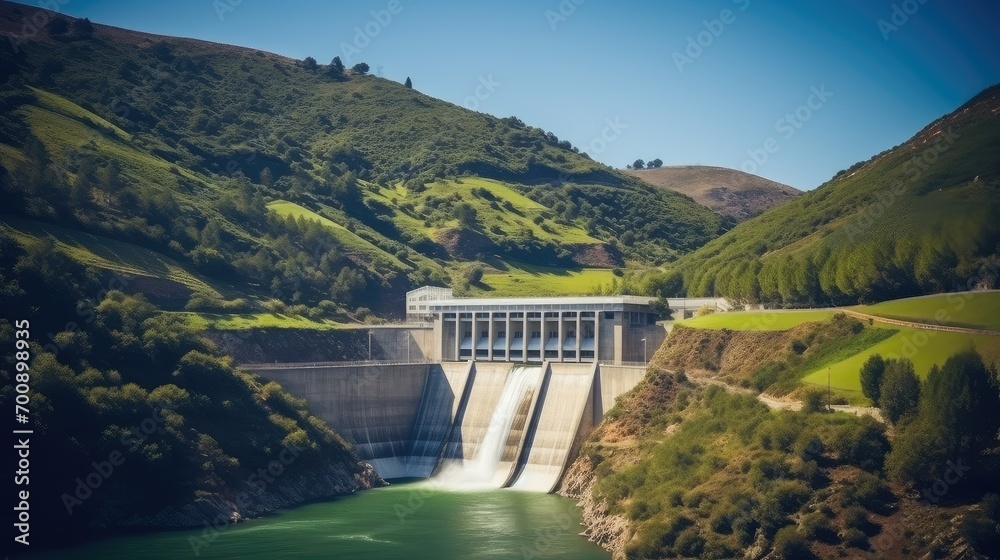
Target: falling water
[(482, 471)]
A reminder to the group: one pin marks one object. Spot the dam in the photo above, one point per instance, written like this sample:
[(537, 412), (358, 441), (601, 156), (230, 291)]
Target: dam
[(468, 424), (489, 393)]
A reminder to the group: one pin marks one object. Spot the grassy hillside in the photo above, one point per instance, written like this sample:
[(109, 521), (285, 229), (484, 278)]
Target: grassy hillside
[(790, 351), (756, 320), (925, 349), (679, 470), (728, 192), (919, 218), (181, 147), (967, 309)]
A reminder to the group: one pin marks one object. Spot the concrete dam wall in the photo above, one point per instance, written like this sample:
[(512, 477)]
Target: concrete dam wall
[(464, 423)]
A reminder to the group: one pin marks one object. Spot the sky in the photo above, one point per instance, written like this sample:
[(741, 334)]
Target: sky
[(790, 90)]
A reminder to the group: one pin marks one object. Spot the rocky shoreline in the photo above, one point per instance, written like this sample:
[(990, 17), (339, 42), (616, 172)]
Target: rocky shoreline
[(608, 530)]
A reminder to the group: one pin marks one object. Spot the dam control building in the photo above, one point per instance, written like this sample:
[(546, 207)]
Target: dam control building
[(608, 329)]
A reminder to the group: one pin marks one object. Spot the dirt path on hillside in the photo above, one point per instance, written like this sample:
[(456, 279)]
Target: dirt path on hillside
[(926, 326), (780, 404)]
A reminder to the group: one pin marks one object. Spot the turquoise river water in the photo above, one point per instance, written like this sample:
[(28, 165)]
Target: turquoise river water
[(404, 521)]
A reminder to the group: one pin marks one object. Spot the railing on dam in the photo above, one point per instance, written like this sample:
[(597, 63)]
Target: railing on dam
[(317, 365)]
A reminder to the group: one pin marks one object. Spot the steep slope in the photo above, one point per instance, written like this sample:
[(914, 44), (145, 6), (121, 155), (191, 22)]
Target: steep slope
[(919, 218), (135, 421), (728, 192)]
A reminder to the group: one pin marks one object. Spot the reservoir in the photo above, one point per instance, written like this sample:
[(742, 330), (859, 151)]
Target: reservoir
[(414, 520)]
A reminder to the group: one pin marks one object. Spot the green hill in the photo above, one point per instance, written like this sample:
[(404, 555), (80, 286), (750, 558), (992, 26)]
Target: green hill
[(194, 150), (919, 218)]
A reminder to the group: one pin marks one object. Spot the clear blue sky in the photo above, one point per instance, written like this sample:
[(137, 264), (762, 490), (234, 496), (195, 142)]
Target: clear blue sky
[(570, 66)]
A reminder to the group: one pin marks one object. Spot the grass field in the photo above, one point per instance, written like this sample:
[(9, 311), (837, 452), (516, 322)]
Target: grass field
[(69, 109), (757, 320), (351, 241), (244, 321), (108, 254), (523, 280), (924, 348), (504, 210), (964, 309)]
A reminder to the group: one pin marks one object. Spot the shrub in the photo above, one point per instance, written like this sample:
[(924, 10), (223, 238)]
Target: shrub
[(689, 543), (790, 545), (790, 495), (813, 526), (855, 518), (867, 491), (862, 443), (814, 401)]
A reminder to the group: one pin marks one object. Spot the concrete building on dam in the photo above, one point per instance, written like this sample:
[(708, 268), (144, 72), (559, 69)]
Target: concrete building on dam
[(608, 329)]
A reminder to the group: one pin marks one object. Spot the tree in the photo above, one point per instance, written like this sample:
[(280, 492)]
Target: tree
[(309, 63), (336, 68), (662, 309), (654, 164), (871, 378), (638, 164), (900, 390), (956, 420), (83, 27), (474, 273), (360, 69), (408, 83), (466, 215)]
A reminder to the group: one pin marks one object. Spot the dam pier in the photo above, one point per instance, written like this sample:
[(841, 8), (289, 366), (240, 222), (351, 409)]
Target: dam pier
[(491, 393)]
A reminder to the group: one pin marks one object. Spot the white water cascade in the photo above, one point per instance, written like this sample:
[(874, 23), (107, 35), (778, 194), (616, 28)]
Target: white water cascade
[(493, 461)]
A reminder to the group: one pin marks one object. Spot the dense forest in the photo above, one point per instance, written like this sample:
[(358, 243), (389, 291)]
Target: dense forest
[(122, 395)]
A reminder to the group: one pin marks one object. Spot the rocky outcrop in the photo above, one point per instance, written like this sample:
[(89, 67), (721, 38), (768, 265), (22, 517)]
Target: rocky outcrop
[(597, 255), (604, 528)]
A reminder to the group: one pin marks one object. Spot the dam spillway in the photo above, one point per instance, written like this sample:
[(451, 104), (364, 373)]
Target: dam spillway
[(477, 424)]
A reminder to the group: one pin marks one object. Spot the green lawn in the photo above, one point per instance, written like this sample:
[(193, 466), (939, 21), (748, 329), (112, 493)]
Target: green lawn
[(244, 321), (523, 280), (509, 211), (757, 320), (350, 240), (964, 309), (923, 347), (67, 108)]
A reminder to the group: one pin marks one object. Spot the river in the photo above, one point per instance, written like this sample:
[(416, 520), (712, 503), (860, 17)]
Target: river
[(412, 520)]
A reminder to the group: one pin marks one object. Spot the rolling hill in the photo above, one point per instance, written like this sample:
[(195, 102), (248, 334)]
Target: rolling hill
[(728, 192), (275, 175), (916, 219)]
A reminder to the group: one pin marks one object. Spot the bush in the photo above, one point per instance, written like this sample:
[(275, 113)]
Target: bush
[(790, 495), (855, 518), (813, 401), (862, 443), (814, 526), (790, 545), (867, 491)]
